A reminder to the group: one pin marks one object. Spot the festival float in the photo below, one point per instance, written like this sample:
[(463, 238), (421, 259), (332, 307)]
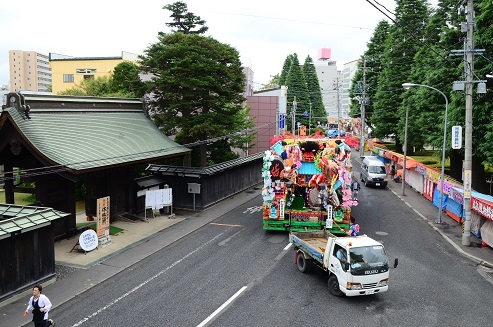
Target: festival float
[(307, 184)]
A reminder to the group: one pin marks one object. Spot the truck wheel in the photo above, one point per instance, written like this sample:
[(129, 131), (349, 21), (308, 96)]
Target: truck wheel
[(334, 286), (302, 263)]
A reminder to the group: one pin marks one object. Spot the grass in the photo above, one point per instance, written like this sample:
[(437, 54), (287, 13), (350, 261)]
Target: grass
[(427, 157), (25, 199), (92, 225)]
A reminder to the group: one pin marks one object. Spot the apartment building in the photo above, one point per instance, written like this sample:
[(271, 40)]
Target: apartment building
[(348, 72), (330, 86), (29, 71), (68, 71)]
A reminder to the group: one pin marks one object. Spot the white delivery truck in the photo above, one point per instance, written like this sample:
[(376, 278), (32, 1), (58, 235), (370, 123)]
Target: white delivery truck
[(356, 265)]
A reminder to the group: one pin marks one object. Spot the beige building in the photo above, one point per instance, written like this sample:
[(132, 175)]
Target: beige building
[(68, 72), (29, 71)]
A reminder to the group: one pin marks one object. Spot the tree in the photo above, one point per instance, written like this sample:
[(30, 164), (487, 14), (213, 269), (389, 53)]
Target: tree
[(126, 79), (373, 58), (400, 48), (273, 83), (434, 66), (482, 137), (285, 69), (317, 106), (197, 85), (183, 20), (100, 87), (296, 84)]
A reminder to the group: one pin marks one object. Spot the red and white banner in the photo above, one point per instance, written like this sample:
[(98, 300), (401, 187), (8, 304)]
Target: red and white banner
[(483, 207)]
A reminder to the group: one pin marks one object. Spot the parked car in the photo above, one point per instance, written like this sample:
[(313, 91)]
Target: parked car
[(335, 133)]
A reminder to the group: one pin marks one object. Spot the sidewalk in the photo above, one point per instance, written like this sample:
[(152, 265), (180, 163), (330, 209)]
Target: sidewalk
[(450, 230), (139, 240)]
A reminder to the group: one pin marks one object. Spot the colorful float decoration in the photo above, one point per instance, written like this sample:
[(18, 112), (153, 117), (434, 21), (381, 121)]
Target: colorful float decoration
[(307, 181)]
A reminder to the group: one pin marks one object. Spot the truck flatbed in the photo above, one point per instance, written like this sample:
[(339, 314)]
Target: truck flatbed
[(312, 242)]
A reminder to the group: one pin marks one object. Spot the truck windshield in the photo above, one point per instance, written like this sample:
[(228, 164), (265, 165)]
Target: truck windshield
[(368, 257)]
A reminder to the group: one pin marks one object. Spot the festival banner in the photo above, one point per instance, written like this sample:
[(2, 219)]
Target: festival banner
[(103, 217)]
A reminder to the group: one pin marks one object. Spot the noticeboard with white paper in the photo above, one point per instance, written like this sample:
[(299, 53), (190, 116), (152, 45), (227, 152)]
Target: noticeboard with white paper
[(158, 199)]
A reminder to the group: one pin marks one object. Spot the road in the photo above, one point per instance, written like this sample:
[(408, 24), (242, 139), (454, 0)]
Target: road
[(232, 273)]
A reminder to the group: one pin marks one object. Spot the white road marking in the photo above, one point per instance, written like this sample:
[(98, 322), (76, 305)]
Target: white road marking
[(107, 306), (221, 308), (283, 253), (253, 209)]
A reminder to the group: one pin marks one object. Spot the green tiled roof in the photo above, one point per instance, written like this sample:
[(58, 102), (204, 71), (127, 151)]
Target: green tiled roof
[(92, 132), (24, 218), (211, 170)]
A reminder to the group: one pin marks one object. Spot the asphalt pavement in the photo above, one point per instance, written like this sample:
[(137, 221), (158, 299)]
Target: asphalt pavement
[(81, 271)]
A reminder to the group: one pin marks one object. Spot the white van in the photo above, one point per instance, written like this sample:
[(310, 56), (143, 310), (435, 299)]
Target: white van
[(373, 172)]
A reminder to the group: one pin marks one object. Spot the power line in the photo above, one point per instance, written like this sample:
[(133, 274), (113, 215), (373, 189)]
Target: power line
[(61, 168)]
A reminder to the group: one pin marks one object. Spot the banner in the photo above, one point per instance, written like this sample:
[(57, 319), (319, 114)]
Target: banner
[(103, 217), (483, 207)]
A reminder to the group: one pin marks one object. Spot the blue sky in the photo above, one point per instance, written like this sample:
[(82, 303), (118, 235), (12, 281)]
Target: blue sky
[(264, 32)]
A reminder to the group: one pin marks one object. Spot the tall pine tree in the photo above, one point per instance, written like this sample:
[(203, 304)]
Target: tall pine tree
[(318, 112), (285, 69), (389, 115), (296, 84), (373, 58)]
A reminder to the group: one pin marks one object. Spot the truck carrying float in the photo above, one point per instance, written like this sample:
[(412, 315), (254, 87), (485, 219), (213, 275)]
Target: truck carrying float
[(355, 265), (307, 181)]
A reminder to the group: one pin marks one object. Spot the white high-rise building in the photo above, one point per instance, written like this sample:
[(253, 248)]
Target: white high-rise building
[(330, 82), (330, 86), (348, 72)]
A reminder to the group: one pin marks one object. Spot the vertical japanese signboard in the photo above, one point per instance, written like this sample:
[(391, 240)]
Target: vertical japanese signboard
[(456, 137), (103, 209)]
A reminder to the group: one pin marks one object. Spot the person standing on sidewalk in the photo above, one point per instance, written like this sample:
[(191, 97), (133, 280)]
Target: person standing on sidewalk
[(392, 172), (40, 305)]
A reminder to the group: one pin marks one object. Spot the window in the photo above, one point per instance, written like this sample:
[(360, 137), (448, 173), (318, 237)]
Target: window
[(340, 253), (68, 78), (86, 71), (88, 76)]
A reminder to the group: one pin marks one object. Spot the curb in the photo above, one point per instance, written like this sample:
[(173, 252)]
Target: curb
[(471, 257)]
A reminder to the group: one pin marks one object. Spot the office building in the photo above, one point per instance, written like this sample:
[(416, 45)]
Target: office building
[(70, 71)]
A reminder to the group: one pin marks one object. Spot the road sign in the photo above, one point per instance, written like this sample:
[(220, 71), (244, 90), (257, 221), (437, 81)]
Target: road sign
[(305, 113), (282, 121), (456, 137)]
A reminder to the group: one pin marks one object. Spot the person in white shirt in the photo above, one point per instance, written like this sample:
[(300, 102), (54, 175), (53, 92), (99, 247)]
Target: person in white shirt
[(40, 305)]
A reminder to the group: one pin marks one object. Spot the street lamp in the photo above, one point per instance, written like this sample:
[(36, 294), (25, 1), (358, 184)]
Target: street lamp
[(408, 86)]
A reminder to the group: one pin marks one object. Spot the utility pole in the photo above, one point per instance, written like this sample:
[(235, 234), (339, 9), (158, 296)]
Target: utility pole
[(338, 105), (310, 121), (293, 116), (363, 100), (466, 236)]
